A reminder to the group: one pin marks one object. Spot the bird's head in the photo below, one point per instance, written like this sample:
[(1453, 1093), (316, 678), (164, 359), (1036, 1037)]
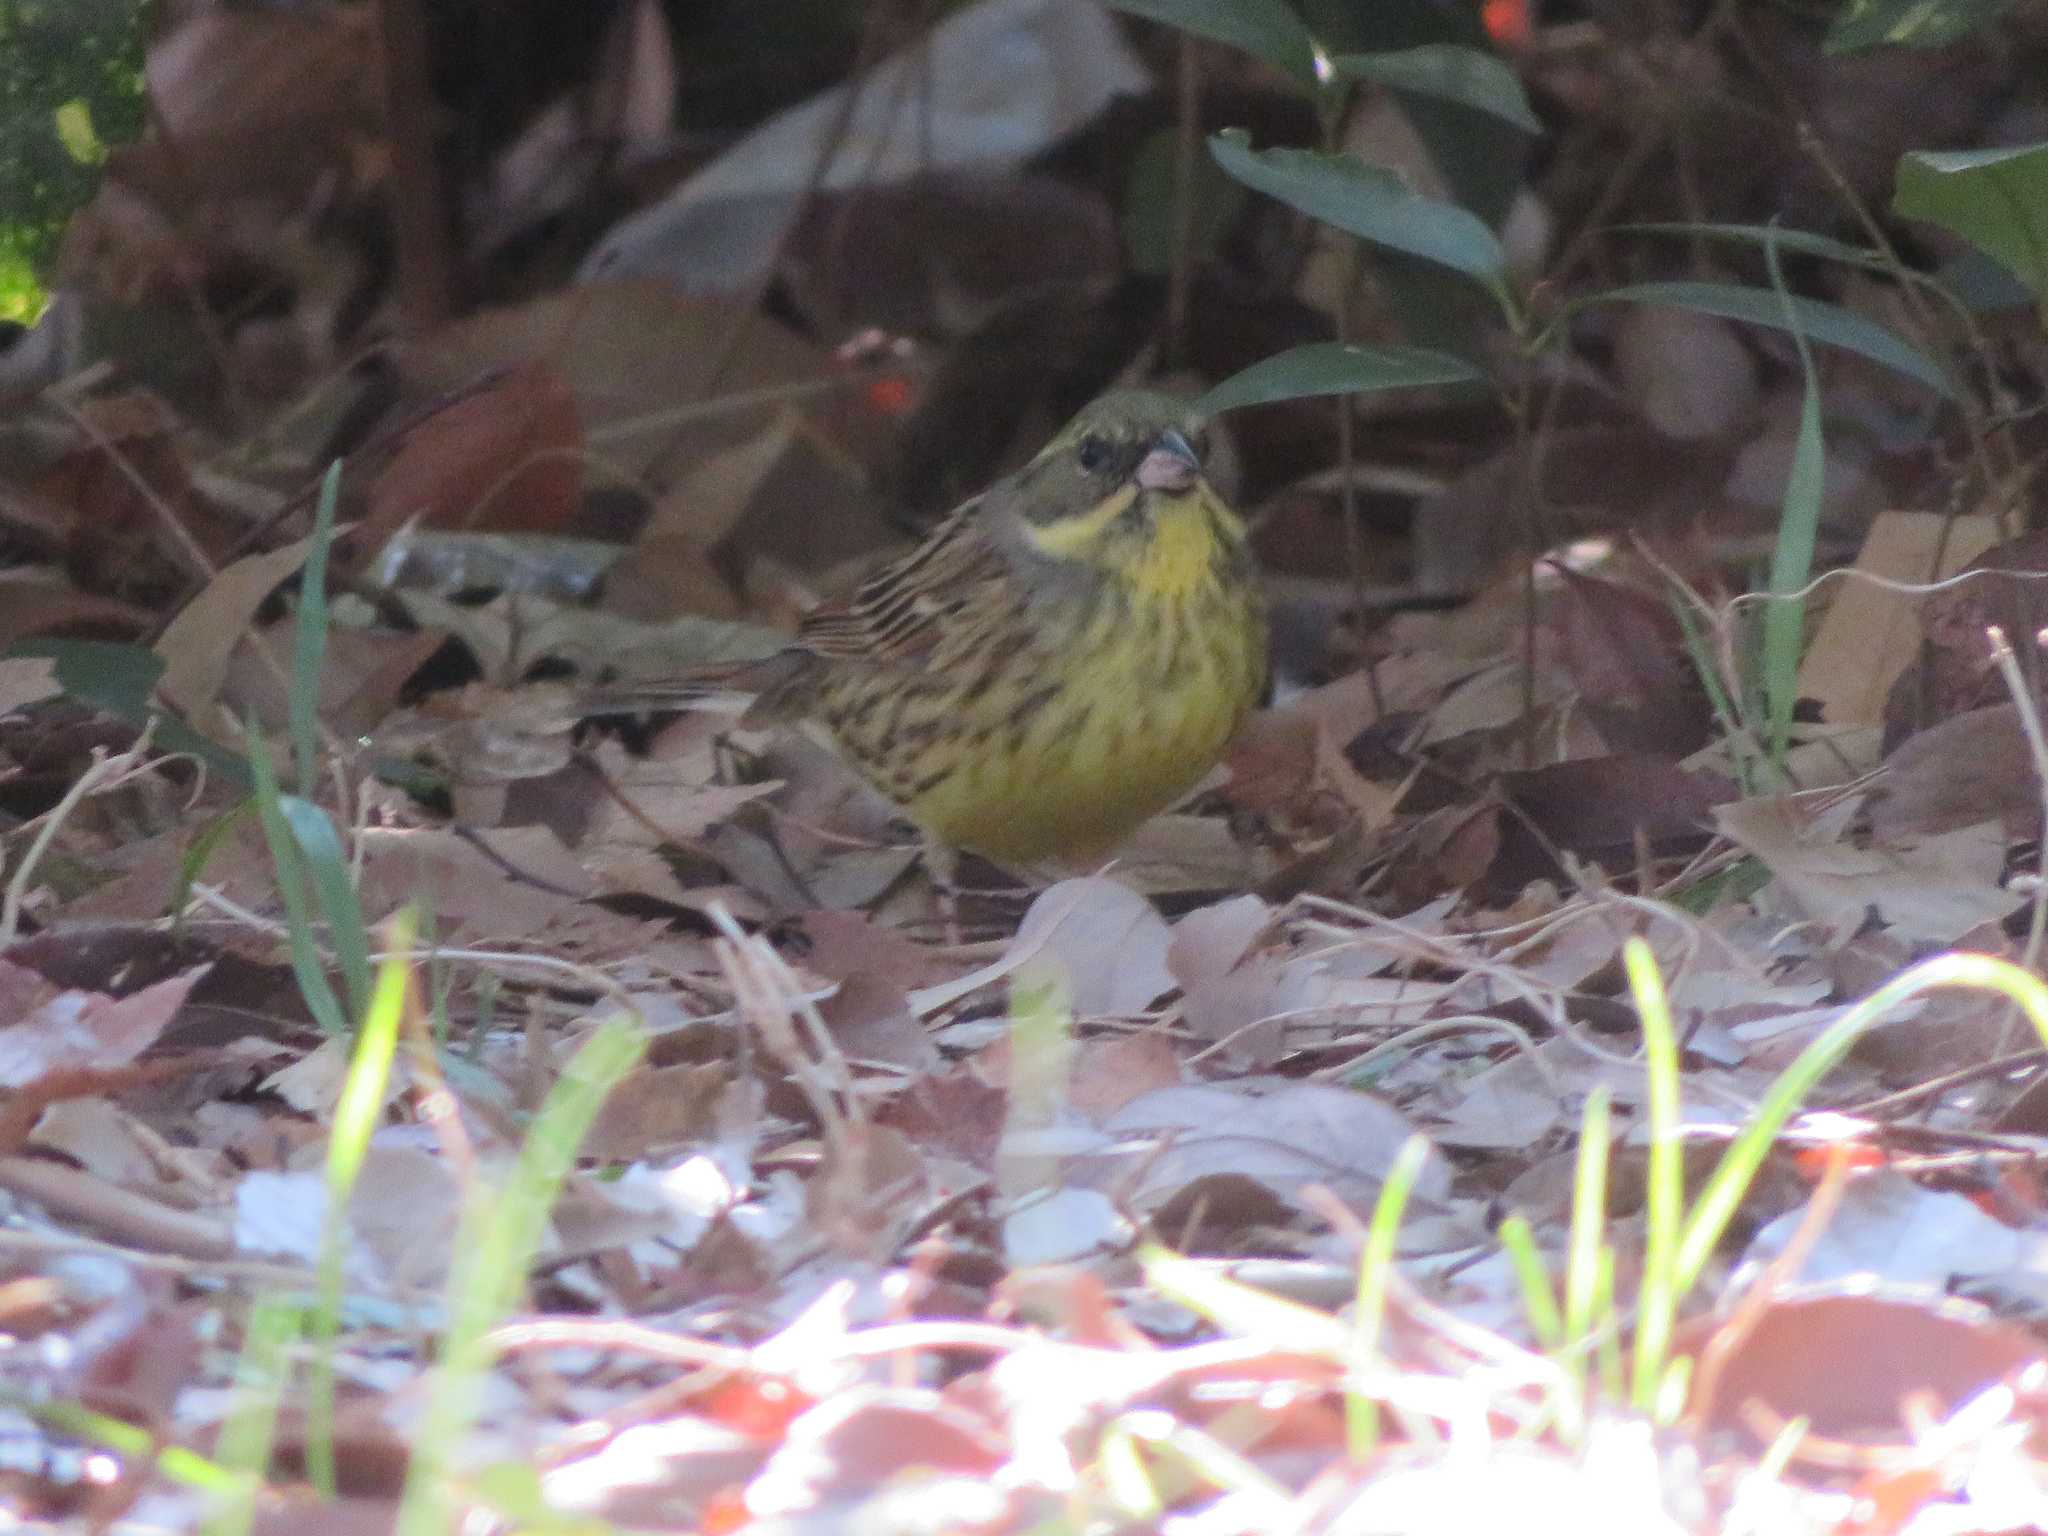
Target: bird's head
[(1126, 467)]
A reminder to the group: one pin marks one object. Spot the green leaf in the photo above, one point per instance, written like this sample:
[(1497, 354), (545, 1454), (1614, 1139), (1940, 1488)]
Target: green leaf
[(1983, 284), (1798, 241), (1268, 30), (1826, 323), (327, 863), (1798, 530), (1862, 24), (1365, 201), (1335, 368), (309, 644), (1470, 77), (118, 678), (1997, 199), (314, 986)]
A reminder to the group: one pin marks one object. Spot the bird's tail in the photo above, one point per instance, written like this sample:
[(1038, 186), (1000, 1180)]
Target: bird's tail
[(762, 690)]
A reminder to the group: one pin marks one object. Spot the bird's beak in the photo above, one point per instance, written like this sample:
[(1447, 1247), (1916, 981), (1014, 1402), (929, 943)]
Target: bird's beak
[(1171, 464)]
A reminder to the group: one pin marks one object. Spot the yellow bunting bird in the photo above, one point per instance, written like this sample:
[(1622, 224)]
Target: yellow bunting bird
[(1066, 654)]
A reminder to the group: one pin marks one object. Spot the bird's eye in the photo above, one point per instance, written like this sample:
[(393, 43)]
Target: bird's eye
[(1094, 453)]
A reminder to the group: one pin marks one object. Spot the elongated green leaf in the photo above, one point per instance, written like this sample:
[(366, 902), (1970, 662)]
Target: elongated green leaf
[(1997, 199), (1826, 323), (1268, 30), (501, 1229), (356, 1116), (309, 648), (314, 986), (1798, 531), (1862, 24), (1798, 241), (1365, 201), (327, 863), (1471, 77), (1334, 368)]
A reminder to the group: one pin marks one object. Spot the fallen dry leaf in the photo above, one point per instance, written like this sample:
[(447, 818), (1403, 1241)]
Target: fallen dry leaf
[(507, 455), (1109, 943), (46, 1029), (1934, 888)]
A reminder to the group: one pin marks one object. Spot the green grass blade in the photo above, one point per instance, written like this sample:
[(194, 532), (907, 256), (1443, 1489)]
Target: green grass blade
[(291, 889), (356, 1115), (313, 831), (198, 855), (1798, 531), (1664, 1206), (1586, 1244), (1722, 1195), (309, 647), (500, 1234), (251, 1428), (1539, 1301), (1375, 1271)]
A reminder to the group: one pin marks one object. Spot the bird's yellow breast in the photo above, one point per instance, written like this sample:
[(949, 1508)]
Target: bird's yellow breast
[(1138, 702)]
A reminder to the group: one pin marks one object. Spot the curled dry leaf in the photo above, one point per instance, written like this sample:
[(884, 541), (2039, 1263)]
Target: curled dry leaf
[(872, 1022), (670, 568), (406, 1210), (1626, 653), (1289, 764), (1211, 942), (864, 1438), (29, 608)]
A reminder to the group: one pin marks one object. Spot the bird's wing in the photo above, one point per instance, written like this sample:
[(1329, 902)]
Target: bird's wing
[(900, 616)]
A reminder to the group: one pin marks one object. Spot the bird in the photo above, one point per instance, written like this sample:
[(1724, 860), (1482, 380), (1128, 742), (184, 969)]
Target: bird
[(1063, 656)]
